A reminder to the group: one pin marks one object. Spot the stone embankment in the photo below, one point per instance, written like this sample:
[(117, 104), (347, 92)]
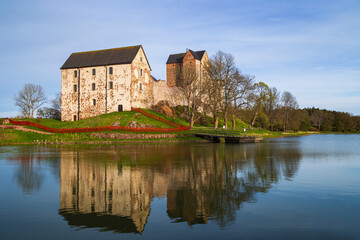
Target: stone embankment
[(134, 136)]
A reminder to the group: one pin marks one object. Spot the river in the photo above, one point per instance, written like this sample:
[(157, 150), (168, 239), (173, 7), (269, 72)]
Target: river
[(304, 187)]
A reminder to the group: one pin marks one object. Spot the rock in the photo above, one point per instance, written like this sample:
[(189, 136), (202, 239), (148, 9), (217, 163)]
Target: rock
[(116, 124), (135, 124), (163, 107), (6, 121)]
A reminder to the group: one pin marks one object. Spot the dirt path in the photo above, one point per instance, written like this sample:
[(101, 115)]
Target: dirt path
[(21, 128)]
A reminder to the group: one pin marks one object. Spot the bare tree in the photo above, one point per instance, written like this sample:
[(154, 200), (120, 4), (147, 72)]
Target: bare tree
[(53, 112), (223, 71), (289, 105), (272, 106), (259, 99), (317, 117), (29, 99), (241, 94), (191, 86)]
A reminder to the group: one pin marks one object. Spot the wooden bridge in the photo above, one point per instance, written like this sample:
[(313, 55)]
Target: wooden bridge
[(230, 137)]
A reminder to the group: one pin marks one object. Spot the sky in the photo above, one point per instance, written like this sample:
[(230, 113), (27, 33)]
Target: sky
[(309, 48)]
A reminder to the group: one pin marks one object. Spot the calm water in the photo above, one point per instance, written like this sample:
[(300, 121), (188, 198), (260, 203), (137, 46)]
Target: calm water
[(294, 188)]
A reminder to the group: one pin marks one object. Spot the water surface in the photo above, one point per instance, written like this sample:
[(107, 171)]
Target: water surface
[(292, 188)]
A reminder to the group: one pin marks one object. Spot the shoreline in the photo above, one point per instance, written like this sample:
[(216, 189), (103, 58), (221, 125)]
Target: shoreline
[(171, 140)]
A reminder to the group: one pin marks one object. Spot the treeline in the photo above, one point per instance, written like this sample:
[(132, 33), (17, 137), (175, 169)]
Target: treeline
[(220, 89), (307, 119)]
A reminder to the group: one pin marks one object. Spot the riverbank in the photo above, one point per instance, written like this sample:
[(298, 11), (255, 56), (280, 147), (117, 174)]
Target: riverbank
[(15, 137)]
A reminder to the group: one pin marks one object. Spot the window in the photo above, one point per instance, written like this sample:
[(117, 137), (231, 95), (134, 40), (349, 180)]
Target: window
[(75, 88), (111, 86), (140, 86), (75, 73), (141, 59), (93, 86), (94, 102), (92, 207), (140, 72), (110, 70), (93, 72)]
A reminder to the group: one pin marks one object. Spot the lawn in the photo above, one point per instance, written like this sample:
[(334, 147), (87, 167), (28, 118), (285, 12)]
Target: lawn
[(123, 119)]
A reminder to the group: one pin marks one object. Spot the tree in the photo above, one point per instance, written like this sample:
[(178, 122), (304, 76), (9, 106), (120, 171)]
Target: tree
[(272, 106), (29, 99), (192, 88), (53, 112), (289, 104), (213, 91), (317, 117), (223, 71), (243, 87), (259, 98)]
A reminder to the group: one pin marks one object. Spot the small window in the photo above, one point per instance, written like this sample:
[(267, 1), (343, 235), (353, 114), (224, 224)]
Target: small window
[(110, 70), (111, 86), (94, 102), (140, 72), (93, 86), (141, 59), (75, 88), (75, 73), (140, 86), (94, 72)]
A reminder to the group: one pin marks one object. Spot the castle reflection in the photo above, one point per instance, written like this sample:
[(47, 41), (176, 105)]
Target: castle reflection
[(112, 187)]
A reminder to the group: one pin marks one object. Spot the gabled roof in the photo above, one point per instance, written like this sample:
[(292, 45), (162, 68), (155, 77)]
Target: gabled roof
[(179, 57), (124, 55)]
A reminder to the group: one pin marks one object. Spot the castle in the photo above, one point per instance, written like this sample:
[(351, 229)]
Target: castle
[(115, 80)]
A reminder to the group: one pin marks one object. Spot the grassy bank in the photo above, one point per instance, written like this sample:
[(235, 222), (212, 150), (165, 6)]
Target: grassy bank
[(121, 118), (12, 136)]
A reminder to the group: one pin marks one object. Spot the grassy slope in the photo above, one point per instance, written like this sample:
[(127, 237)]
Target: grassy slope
[(102, 120), (173, 119), (16, 136)]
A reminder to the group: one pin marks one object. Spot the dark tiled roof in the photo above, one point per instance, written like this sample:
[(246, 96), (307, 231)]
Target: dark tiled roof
[(124, 55), (178, 58)]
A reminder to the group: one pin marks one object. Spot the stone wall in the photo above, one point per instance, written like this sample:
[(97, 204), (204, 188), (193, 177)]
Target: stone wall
[(141, 90), (133, 136), (171, 69), (170, 94)]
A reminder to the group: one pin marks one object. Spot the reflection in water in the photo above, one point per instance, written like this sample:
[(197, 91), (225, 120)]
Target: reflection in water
[(112, 187), (29, 175)]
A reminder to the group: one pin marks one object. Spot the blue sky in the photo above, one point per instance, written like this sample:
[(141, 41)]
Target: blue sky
[(310, 48)]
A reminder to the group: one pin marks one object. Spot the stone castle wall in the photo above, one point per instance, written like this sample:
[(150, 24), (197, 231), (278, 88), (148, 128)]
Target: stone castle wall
[(132, 87)]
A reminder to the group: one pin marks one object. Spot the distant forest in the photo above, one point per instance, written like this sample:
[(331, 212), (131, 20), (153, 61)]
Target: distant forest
[(307, 119)]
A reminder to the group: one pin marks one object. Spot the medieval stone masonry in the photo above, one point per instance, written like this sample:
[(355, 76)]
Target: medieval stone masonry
[(111, 80)]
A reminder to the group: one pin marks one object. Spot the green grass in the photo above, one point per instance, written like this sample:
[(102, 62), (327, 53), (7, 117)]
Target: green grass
[(9, 136), (124, 118), (174, 119)]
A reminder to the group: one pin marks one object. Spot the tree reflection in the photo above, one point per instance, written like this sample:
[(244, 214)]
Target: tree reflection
[(29, 175), (201, 182)]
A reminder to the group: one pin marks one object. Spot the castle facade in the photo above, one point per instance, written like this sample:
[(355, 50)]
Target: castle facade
[(112, 80)]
